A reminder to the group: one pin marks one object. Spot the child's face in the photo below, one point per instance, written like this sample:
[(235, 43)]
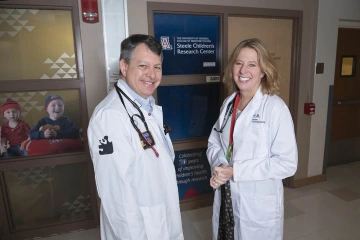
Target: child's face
[(55, 109), (12, 114)]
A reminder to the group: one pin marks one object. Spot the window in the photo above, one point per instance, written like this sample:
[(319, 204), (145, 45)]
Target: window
[(348, 66), (41, 76)]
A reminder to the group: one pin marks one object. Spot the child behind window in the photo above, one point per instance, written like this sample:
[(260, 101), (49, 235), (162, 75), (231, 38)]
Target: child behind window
[(55, 125), (14, 131)]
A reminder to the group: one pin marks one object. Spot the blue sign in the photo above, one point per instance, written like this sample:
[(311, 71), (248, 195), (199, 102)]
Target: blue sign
[(190, 110), (192, 172), (190, 43)]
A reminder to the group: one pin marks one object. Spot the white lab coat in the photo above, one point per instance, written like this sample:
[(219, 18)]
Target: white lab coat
[(264, 153), (138, 191)]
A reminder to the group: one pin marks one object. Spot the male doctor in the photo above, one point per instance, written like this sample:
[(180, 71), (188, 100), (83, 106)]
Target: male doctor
[(132, 151)]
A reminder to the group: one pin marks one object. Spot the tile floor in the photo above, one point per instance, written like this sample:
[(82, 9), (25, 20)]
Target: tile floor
[(328, 210)]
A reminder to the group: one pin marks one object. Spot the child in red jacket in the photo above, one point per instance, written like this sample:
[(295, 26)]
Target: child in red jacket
[(14, 131)]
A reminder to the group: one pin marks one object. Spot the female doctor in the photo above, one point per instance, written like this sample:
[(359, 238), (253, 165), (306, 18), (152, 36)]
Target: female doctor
[(251, 149)]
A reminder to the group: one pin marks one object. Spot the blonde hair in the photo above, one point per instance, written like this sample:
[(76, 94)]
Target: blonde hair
[(270, 82)]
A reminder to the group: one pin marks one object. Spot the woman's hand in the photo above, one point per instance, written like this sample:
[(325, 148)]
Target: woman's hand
[(221, 175)]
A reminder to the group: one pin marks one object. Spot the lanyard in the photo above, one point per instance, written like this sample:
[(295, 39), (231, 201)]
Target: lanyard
[(141, 116), (230, 147)]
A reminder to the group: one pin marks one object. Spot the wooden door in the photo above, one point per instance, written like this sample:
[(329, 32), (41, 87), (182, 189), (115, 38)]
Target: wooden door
[(345, 123)]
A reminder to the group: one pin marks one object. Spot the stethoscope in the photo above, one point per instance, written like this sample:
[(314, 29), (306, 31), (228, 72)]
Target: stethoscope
[(133, 122), (228, 112)]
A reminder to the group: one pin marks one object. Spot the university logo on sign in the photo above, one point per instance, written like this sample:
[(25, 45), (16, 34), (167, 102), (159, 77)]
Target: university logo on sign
[(165, 43)]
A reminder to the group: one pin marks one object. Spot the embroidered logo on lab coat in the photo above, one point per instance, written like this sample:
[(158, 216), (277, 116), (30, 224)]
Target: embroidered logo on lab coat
[(149, 138), (105, 146), (256, 118)]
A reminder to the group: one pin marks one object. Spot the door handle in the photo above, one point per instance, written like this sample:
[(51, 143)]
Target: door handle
[(346, 102)]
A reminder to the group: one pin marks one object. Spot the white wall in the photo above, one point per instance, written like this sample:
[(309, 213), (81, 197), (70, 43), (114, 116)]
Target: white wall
[(92, 40), (330, 11)]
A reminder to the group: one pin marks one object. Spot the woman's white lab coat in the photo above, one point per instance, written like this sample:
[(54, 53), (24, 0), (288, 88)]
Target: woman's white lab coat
[(264, 153), (138, 191)]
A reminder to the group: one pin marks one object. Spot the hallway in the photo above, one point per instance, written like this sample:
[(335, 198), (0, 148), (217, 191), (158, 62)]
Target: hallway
[(324, 211)]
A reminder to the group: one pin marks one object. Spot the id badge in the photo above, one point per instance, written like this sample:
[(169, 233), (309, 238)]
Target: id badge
[(149, 138), (229, 151)]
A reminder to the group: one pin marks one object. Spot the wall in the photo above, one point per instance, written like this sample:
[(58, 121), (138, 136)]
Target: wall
[(92, 40), (137, 21), (330, 11)]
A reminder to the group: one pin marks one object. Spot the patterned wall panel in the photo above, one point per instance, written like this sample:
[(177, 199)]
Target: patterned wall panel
[(36, 44), (52, 194), (63, 67)]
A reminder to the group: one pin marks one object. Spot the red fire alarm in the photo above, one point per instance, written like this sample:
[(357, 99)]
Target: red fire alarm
[(90, 13), (309, 108)]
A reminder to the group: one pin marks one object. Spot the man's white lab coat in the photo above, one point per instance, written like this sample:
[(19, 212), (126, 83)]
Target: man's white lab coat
[(138, 191)]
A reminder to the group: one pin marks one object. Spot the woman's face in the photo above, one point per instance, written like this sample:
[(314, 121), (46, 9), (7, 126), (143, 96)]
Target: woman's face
[(246, 71)]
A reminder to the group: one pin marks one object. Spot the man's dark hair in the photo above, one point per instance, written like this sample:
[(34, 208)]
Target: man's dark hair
[(129, 44)]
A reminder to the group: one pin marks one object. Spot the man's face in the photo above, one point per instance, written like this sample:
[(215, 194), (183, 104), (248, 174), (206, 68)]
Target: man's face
[(143, 74), (55, 109), (12, 115)]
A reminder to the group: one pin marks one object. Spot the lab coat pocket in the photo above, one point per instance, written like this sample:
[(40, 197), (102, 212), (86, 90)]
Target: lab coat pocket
[(155, 222), (258, 212)]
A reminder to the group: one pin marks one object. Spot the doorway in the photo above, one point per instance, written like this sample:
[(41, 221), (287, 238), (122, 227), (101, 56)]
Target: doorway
[(344, 142)]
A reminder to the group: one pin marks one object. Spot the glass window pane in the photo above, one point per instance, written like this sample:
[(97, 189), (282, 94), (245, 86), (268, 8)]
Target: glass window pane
[(190, 110), (37, 131), (36, 44), (53, 194), (348, 66)]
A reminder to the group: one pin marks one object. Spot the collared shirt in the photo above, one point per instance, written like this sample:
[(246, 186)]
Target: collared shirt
[(15, 135), (147, 104)]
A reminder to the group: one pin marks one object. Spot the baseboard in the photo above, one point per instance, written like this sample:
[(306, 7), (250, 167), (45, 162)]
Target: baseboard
[(200, 201), (309, 180)]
